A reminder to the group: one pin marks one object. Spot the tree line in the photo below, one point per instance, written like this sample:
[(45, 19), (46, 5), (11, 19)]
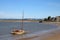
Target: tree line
[(49, 19)]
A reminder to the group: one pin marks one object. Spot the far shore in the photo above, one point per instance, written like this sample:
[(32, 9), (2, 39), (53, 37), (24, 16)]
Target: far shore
[(18, 21), (56, 23)]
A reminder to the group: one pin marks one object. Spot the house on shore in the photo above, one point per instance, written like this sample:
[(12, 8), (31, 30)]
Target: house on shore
[(57, 18)]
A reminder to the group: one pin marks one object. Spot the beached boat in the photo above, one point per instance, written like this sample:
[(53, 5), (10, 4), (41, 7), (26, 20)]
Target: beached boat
[(21, 31), (18, 32)]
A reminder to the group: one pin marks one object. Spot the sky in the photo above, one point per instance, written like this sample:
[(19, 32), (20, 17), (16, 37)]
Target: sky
[(32, 8)]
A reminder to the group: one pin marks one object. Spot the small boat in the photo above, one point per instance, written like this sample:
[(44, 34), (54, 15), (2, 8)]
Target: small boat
[(21, 31), (18, 32)]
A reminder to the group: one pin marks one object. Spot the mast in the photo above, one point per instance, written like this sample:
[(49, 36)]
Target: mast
[(22, 19)]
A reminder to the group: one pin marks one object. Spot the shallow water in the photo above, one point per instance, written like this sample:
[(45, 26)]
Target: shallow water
[(32, 27)]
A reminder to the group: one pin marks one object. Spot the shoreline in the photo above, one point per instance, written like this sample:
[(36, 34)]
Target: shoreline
[(53, 34)]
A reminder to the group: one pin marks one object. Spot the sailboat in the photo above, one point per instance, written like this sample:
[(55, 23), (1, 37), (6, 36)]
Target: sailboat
[(21, 31)]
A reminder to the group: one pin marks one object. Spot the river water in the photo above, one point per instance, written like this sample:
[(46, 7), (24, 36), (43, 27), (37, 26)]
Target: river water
[(33, 28)]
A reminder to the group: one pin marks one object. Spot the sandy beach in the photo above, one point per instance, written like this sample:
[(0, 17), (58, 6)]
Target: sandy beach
[(51, 35)]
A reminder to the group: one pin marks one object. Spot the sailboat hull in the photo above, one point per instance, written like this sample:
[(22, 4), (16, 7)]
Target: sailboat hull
[(18, 32)]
